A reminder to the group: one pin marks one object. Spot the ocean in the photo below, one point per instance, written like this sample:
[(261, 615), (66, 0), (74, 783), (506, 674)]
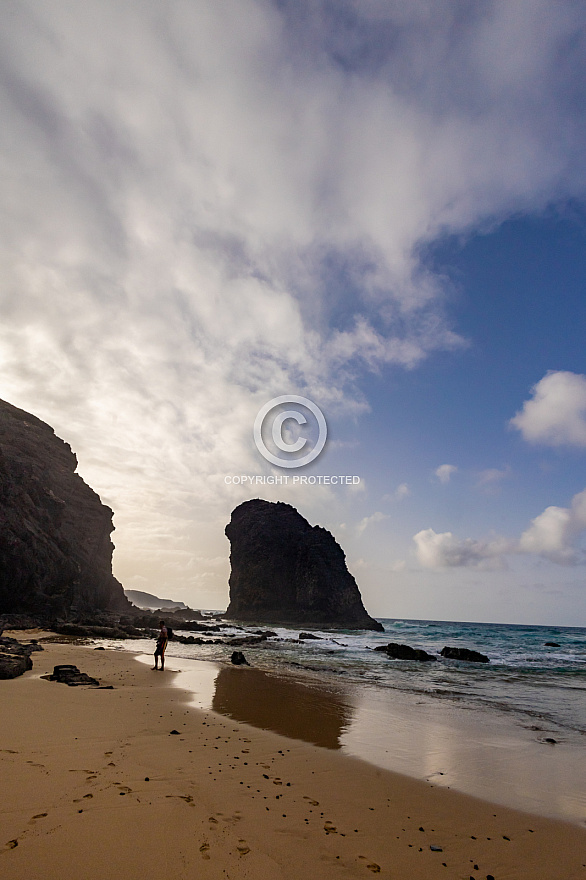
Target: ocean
[(524, 676), (511, 731)]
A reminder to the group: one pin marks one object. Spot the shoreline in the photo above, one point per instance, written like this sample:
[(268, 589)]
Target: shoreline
[(97, 784), (495, 756)]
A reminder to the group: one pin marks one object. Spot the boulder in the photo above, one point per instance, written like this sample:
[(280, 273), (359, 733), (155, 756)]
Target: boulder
[(13, 665), (405, 652), (464, 654), (68, 674), (283, 570), (238, 659), (15, 657)]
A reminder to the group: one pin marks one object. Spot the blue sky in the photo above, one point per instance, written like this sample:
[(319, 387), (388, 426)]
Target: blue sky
[(375, 205)]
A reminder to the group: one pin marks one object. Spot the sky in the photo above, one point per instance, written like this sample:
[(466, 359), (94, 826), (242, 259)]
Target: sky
[(375, 205)]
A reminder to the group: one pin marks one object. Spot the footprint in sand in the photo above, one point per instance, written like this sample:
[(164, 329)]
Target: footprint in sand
[(204, 850), (12, 843), (372, 866), (242, 848), (313, 803)]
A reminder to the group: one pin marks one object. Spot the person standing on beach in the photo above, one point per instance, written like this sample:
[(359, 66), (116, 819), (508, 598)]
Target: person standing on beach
[(162, 639)]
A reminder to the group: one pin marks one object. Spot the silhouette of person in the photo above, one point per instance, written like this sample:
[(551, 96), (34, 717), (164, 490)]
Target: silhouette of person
[(162, 639)]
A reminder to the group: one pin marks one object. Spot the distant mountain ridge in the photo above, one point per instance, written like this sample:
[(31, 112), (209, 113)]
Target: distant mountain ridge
[(150, 602)]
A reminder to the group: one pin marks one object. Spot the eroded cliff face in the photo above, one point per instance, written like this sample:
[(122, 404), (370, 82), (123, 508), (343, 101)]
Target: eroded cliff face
[(286, 571), (55, 547)]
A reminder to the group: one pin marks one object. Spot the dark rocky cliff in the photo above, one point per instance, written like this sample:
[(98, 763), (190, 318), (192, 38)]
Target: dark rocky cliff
[(55, 547), (286, 571)]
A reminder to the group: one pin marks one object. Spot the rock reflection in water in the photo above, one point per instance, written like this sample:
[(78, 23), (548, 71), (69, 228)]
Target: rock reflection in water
[(284, 706)]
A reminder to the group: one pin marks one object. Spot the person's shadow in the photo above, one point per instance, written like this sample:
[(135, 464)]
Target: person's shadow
[(282, 705)]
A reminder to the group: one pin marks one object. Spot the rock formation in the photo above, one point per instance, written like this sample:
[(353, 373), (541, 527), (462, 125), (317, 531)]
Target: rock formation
[(286, 571), (55, 547), (405, 652), (464, 654)]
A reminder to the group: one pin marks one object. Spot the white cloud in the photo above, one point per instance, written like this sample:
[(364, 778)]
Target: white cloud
[(556, 414), (444, 472), (369, 520), (553, 535), (444, 550)]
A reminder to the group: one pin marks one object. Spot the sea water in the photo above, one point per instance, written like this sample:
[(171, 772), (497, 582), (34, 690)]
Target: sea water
[(510, 731), (525, 676)]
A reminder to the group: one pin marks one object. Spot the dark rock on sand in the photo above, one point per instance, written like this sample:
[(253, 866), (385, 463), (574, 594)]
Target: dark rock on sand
[(55, 547), (405, 652), (15, 657), (286, 571), (464, 654), (66, 673), (238, 659), (13, 665)]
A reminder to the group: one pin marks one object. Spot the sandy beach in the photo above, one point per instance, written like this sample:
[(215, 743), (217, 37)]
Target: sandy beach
[(134, 781)]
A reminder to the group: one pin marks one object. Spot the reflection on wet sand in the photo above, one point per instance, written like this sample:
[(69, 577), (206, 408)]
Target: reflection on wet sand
[(287, 707)]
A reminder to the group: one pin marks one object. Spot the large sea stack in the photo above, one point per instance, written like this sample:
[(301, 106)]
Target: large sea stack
[(286, 571), (55, 547)]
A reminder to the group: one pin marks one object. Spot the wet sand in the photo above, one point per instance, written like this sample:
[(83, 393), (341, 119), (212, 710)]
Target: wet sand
[(487, 754), (96, 784)]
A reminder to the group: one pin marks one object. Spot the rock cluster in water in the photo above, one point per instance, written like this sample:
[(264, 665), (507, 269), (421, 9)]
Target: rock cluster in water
[(283, 570), (464, 654), (405, 652), (55, 547)]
